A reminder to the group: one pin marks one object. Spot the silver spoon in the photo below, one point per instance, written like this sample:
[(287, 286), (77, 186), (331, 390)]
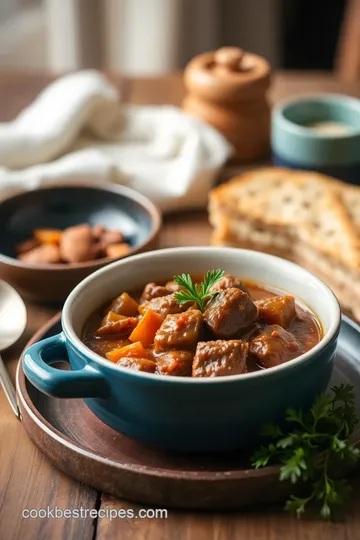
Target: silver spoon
[(12, 325)]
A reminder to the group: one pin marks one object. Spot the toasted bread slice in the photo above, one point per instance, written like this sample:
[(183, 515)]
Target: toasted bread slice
[(305, 206), (306, 217), (344, 282)]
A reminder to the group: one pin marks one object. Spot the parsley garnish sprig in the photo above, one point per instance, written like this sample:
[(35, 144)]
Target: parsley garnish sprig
[(197, 292), (314, 441)]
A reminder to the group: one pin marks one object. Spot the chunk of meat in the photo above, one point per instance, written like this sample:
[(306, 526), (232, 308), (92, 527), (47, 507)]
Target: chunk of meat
[(137, 364), (229, 282), (230, 312), (123, 326), (277, 310), (77, 244), (173, 287), (124, 305), (153, 290), (179, 331), (176, 363), (44, 254), (274, 346), (220, 358), (164, 305)]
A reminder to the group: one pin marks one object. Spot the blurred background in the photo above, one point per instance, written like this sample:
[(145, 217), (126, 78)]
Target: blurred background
[(151, 37)]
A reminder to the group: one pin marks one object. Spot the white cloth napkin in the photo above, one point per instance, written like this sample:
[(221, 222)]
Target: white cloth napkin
[(77, 130)]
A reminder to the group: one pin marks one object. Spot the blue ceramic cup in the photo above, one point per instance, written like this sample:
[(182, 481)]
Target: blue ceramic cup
[(319, 133), (180, 413)]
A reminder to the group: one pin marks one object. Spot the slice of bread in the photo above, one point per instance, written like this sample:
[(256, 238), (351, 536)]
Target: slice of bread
[(303, 216)]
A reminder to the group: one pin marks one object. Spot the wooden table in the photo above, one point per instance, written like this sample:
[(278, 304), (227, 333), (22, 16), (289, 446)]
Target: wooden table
[(27, 480)]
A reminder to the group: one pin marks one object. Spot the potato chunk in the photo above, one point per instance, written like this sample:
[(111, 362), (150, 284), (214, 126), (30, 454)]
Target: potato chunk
[(277, 310), (124, 305)]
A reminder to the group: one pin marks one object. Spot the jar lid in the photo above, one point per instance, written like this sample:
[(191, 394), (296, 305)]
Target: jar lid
[(227, 74)]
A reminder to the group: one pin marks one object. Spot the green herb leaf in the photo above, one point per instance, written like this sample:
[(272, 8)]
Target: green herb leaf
[(197, 292), (320, 407), (296, 505), (262, 457), (306, 449), (325, 511), (287, 441), (293, 467)]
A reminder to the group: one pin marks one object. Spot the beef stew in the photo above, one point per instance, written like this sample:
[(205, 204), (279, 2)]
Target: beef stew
[(210, 327)]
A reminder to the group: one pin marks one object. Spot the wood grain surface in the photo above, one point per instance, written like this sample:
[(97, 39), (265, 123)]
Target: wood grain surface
[(27, 480)]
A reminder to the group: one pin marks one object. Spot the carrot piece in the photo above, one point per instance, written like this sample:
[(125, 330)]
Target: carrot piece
[(117, 250), (48, 236), (146, 329), (135, 350), (111, 316)]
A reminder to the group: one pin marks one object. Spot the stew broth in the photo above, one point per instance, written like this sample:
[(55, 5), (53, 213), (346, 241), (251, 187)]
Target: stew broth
[(262, 343)]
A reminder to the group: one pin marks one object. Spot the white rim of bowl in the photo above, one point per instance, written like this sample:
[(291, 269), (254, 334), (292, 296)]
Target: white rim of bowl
[(326, 339)]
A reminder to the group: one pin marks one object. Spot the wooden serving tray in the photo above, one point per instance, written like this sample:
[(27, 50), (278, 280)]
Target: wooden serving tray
[(79, 444)]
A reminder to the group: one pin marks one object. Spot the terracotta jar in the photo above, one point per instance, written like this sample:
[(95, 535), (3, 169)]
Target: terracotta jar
[(227, 89)]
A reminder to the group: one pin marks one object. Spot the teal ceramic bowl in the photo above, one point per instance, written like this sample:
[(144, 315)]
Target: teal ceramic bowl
[(178, 413), (297, 146)]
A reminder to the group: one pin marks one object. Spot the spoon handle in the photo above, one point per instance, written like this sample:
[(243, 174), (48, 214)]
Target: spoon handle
[(8, 388)]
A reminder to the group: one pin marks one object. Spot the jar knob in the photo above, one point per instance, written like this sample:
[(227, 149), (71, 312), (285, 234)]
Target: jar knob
[(229, 58)]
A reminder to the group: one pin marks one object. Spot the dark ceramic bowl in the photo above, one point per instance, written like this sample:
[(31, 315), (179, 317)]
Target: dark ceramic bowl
[(116, 207), (185, 413)]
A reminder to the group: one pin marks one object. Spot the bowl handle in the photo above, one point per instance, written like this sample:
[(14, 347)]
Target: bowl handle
[(82, 383)]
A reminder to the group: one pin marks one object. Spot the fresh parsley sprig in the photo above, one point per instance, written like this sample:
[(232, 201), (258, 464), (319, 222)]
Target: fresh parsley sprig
[(313, 442), (197, 292)]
